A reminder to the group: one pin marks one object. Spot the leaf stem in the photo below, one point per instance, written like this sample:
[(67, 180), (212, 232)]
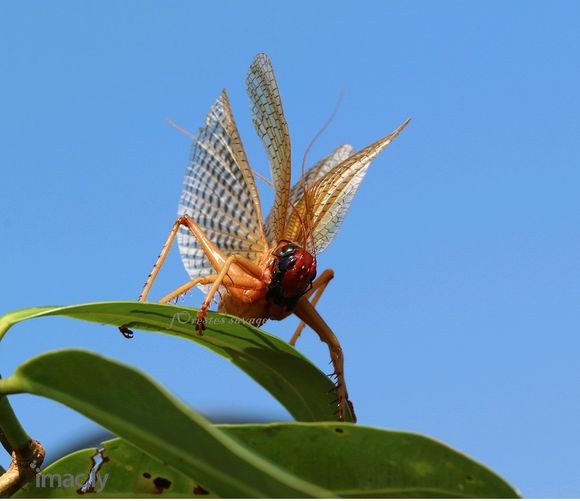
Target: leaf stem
[(12, 434), (27, 454)]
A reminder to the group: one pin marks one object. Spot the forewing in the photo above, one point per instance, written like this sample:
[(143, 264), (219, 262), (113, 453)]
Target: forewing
[(219, 193), (330, 197), (272, 128)]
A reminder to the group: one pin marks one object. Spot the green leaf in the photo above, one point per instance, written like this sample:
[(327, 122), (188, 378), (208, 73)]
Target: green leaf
[(360, 461), (291, 378), (126, 472), (351, 461), (136, 408)]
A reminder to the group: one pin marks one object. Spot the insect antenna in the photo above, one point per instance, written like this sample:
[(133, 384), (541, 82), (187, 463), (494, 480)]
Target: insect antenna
[(308, 213), (263, 178), (180, 128)]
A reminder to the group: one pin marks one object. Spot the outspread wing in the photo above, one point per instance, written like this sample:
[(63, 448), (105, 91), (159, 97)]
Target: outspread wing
[(318, 170), (330, 196), (220, 194), (310, 177), (272, 128)]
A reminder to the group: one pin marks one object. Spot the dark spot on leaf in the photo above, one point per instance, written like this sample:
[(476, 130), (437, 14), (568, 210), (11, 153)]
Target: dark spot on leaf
[(339, 430), (199, 490), (147, 475), (161, 483), (468, 477)]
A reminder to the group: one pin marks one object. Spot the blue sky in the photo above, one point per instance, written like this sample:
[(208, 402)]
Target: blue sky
[(457, 290)]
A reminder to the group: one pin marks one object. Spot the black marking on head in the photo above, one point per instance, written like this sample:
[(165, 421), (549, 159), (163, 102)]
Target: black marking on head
[(287, 250)]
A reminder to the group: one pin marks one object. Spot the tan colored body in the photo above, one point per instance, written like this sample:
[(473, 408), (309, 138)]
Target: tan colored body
[(220, 191)]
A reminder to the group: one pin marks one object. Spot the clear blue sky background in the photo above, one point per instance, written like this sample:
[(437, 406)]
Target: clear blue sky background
[(457, 290)]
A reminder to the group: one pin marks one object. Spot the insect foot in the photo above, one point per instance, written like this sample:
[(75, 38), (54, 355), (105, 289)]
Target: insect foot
[(201, 314), (340, 405), (351, 407), (128, 333)]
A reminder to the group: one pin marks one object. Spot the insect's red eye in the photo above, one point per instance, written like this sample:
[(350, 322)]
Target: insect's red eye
[(298, 271), (293, 272)]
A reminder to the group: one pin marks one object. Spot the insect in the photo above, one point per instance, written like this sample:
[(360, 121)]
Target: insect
[(262, 269)]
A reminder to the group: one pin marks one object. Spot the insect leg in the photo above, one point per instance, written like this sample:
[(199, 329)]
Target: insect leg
[(318, 287), (160, 260), (233, 271), (308, 314), (214, 255)]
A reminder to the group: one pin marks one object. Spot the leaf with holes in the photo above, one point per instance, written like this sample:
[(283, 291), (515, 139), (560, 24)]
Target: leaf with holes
[(125, 472), (351, 461)]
